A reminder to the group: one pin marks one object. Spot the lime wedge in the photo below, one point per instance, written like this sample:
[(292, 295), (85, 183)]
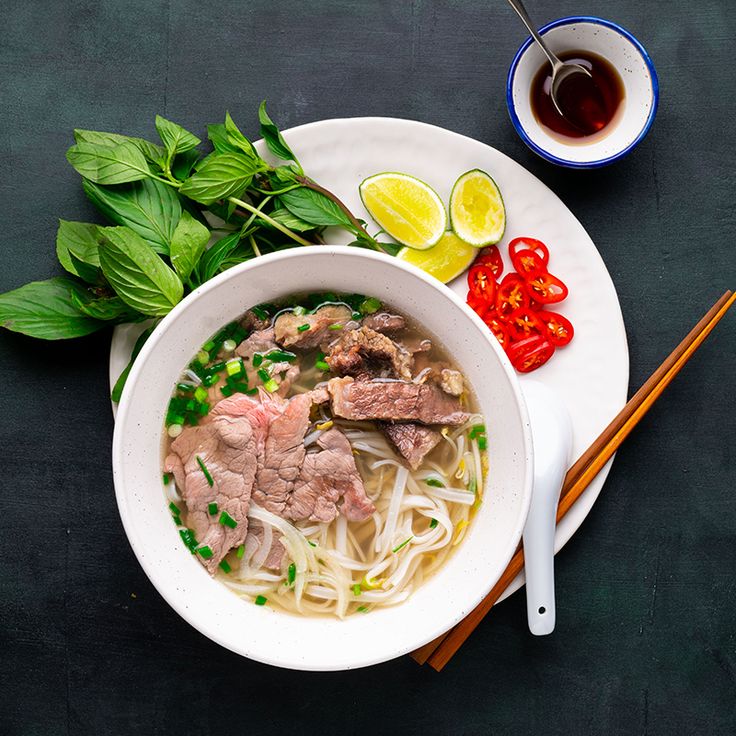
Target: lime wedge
[(409, 210), (477, 213), (449, 258)]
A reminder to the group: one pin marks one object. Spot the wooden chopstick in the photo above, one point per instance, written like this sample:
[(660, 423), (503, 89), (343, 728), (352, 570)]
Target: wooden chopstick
[(439, 651)]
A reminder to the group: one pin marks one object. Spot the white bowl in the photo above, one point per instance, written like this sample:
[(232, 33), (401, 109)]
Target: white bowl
[(624, 53), (321, 643)]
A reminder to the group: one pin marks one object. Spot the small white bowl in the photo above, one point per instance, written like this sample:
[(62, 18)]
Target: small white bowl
[(624, 53), (321, 643)]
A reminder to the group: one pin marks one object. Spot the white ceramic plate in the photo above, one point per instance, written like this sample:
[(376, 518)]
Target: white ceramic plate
[(591, 375)]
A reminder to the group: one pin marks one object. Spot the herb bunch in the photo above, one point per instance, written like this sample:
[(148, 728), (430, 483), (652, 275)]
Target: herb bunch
[(179, 217)]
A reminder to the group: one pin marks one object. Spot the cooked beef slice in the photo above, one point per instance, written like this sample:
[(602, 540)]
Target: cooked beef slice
[(287, 326), (412, 441), (451, 381), (262, 342), (227, 448), (368, 354), (251, 321), (327, 476), (384, 322), (397, 401)]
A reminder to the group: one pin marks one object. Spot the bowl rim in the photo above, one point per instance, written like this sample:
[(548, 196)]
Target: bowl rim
[(124, 408), (570, 20)]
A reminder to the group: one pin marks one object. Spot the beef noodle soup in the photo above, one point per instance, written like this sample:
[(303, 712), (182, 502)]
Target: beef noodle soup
[(323, 456)]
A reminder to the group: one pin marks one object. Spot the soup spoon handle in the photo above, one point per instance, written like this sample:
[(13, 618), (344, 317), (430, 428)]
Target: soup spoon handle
[(552, 440), (518, 6)]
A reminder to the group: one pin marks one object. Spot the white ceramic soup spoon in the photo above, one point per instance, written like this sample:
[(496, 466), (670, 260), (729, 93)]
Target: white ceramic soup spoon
[(552, 438)]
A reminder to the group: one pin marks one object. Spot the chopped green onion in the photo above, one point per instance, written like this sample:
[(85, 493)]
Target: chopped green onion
[(403, 544), (207, 347), (174, 430), (357, 590), (312, 544), (212, 508), (241, 551), (206, 472), (234, 366), (225, 566), (370, 305), (335, 327), (227, 390), (203, 409), (272, 385), (299, 311), (227, 520), (303, 328), (177, 520), (174, 509), (187, 536), (473, 485), (257, 359), (200, 394), (356, 316), (434, 483), (322, 365), (217, 367), (259, 312), (203, 357), (476, 430), (205, 551), (261, 600), (229, 345), (482, 442), (251, 391), (209, 380), (291, 575), (362, 609), (185, 387), (167, 479), (263, 374), (191, 405), (278, 356), (433, 523)]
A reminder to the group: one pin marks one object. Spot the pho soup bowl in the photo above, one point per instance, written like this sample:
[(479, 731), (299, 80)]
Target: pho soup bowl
[(321, 642)]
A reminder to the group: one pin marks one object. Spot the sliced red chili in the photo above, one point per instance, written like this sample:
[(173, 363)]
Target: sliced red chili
[(512, 295), (479, 305), (530, 353), (518, 244), (545, 288), (559, 329), (491, 257), (525, 261), (524, 322), (482, 282)]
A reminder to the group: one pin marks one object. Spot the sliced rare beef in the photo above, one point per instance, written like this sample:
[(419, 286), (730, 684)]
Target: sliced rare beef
[(289, 335), (366, 353), (262, 342), (327, 476), (412, 441), (252, 322), (384, 322), (227, 448), (397, 401)]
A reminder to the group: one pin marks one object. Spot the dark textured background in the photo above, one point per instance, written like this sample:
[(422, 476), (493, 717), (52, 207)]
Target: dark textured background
[(645, 642)]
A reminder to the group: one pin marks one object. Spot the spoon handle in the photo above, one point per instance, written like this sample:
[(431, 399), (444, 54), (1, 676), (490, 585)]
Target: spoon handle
[(518, 6)]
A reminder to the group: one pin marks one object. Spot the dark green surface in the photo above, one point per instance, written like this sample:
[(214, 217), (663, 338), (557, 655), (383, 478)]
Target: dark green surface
[(645, 642)]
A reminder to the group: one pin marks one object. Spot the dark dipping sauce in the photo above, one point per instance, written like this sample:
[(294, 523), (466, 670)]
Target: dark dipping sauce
[(590, 104)]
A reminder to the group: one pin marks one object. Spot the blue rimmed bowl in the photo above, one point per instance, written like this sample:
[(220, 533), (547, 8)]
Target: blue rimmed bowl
[(624, 53)]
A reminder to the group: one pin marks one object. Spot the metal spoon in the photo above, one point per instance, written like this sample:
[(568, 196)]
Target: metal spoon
[(561, 70), (552, 438)]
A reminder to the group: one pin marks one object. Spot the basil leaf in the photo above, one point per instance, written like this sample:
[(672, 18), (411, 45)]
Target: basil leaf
[(217, 133), (175, 138), (117, 390), (236, 138), (150, 150), (314, 207), (140, 278), (274, 140), (149, 207), (188, 244), (77, 242), (90, 274), (44, 309), (109, 165), (109, 309), (286, 218), (218, 176), (183, 163), (211, 261)]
